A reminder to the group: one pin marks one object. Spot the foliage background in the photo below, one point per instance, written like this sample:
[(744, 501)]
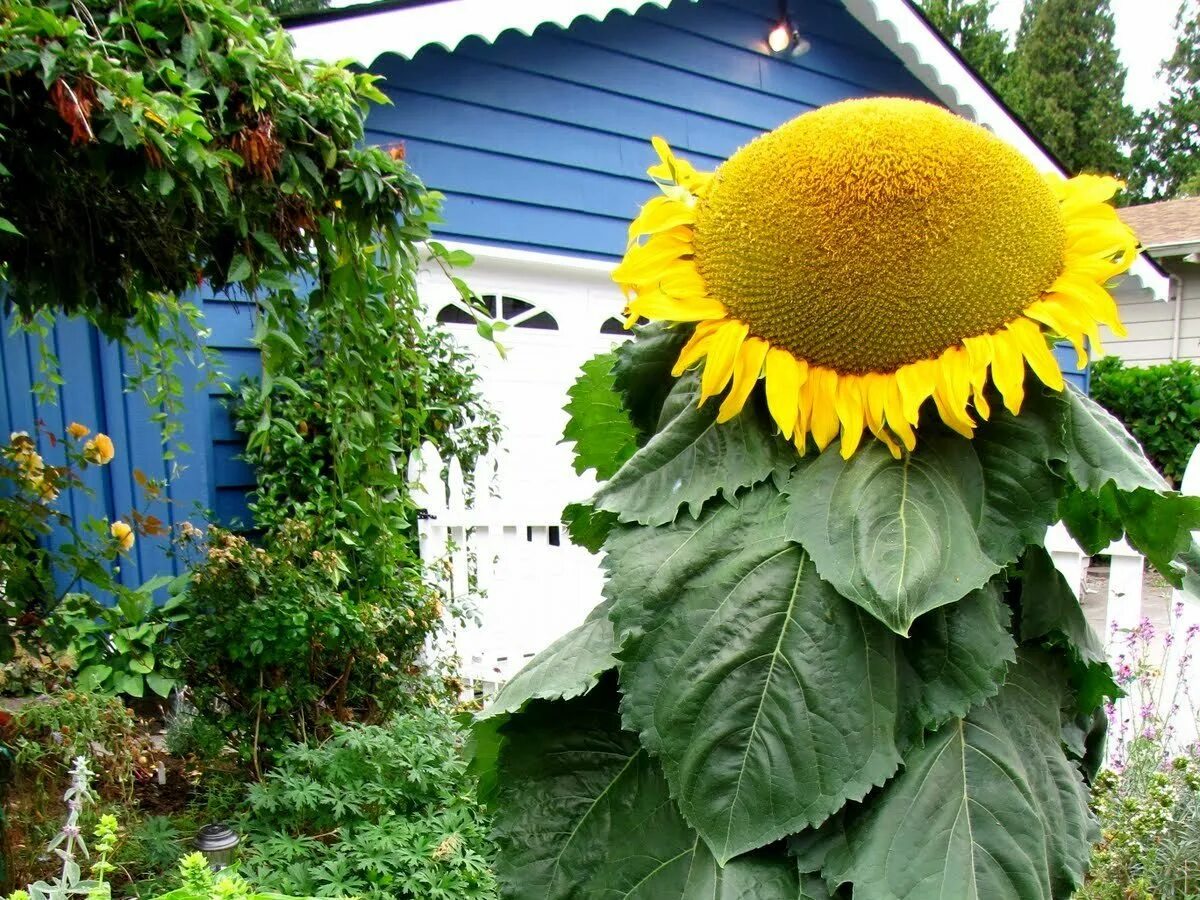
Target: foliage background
[(1160, 405), (1063, 76)]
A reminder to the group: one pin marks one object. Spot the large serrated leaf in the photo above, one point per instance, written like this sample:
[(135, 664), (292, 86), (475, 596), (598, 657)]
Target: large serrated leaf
[(586, 814), (770, 699), (989, 807), (692, 459), (904, 536), (1094, 446), (569, 667), (642, 372), (1051, 613), (894, 536), (599, 426), (587, 527), (958, 656)]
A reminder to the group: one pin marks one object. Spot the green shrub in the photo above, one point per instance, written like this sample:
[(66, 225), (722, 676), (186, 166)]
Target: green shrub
[(49, 733), (1160, 405), (375, 811), (1150, 848), (276, 644)]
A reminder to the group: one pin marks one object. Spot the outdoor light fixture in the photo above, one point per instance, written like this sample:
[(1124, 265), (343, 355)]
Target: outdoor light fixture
[(217, 843), (784, 36)]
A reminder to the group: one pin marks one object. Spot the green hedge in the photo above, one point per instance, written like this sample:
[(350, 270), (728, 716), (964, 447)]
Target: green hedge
[(1160, 405)]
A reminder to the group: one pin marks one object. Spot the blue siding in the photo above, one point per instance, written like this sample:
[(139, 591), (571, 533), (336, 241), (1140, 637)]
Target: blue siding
[(542, 142), (94, 394)]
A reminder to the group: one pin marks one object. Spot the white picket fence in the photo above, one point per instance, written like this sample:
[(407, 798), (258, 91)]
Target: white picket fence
[(514, 563)]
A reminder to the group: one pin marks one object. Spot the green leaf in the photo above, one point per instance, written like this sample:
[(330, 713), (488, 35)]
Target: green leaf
[(92, 677), (692, 459), (1051, 613), (897, 537), (8, 227), (642, 373), (599, 426), (569, 667), (958, 655), (1019, 487), (989, 807), (482, 752), (813, 888), (1159, 526), (770, 700), (1095, 447), (239, 269), (902, 537), (160, 684), (132, 684), (587, 526), (584, 812), (1093, 520)]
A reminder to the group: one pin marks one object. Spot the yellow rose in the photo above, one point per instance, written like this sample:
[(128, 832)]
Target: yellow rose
[(46, 490), (99, 450), (78, 431), (123, 534)]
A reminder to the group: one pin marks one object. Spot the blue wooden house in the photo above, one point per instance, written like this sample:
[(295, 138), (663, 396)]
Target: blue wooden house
[(533, 117)]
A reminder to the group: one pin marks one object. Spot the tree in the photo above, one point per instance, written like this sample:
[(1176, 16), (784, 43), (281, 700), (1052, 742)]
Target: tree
[(1165, 159), (966, 25), (1066, 81)]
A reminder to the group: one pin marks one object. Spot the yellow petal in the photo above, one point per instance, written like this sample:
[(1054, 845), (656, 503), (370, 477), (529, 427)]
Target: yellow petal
[(1087, 190), (696, 347), (746, 369), (808, 390), (824, 422), (916, 382), (644, 262), (874, 387), (660, 214), (850, 413), (893, 407), (722, 351), (784, 377), (1008, 370), (657, 305), (953, 390), (680, 279), (1040, 358)]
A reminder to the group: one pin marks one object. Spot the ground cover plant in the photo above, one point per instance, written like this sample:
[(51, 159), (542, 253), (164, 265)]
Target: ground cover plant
[(376, 811), (1147, 800), (854, 671)]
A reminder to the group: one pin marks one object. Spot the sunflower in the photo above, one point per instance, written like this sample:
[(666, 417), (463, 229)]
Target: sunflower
[(868, 256)]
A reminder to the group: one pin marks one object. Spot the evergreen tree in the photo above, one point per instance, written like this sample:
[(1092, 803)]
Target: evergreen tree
[(1066, 81), (1165, 158), (966, 25)]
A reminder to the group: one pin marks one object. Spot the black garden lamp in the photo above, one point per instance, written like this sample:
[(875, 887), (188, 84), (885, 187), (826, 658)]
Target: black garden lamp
[(217, 843)]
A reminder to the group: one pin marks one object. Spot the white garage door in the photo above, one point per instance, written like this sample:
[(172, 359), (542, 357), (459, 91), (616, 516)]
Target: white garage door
[(532, 586)]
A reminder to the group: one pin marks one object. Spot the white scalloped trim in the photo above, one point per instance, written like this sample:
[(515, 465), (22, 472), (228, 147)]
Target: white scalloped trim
[(366, 37), (903, 31)]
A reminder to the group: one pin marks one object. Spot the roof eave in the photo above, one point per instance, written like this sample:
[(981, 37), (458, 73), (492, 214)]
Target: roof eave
[(368, 34)]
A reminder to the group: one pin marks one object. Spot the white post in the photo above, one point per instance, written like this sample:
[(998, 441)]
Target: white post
[(1124, 587), (1185, 641)]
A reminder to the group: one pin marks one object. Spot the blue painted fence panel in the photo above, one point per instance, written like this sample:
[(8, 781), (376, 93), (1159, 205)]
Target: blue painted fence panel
[(95, 394)]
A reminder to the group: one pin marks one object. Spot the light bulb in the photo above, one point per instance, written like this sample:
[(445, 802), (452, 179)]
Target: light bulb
[(780, 38)]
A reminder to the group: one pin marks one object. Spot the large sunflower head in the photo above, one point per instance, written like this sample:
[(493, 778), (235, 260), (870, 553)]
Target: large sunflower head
[(868, 256)]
